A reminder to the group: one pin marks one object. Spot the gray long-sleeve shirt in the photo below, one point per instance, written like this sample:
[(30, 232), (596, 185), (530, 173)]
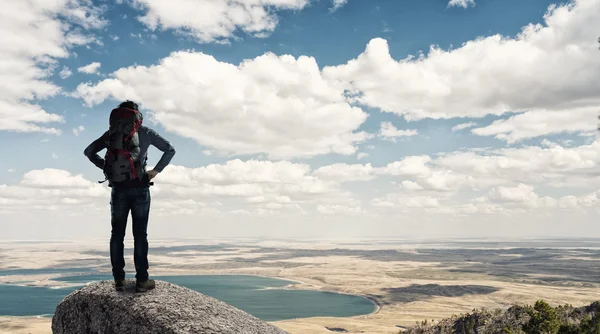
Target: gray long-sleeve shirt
[(147, 137)]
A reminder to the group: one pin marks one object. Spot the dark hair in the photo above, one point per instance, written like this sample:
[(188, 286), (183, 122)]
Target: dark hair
[(129, 105)]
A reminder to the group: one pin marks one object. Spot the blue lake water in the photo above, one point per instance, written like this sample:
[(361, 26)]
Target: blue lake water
[(10, 272), (258, 296)]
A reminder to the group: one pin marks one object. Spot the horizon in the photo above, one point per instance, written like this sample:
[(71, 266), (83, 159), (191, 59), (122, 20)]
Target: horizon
[(308, 119)]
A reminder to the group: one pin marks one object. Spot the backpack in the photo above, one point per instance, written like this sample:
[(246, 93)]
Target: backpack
[(121, 161)]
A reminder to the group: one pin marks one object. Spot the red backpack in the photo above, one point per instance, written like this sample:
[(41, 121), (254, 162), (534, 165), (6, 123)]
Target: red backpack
[(121, 161)]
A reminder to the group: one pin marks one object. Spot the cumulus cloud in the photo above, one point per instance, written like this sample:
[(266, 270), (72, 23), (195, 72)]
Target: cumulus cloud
[(405, 201), (65, 72), (46, 32), (278, 105), (461, 3), (214, 20), (521, 194), (408, 166), (91, 68), (549, 70), (509, 178), (389, 132), (253, 184), (337, 4), (341, 172), (339, 209), (536, 123), (50, 189), (556, 165), (422, 187), (577, 202), (256, 187), (78, 130), (463, 126), (508, 175)]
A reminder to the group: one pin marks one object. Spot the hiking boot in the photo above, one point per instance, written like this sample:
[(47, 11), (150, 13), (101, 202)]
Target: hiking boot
[(145, 286), (120, 285)]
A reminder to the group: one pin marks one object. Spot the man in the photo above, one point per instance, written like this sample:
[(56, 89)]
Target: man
[(132, 195)]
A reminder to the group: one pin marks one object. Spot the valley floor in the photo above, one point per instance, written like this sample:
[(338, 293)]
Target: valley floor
[(411, 282)]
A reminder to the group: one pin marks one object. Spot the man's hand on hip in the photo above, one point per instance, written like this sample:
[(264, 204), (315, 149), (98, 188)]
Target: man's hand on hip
[(151, 174)]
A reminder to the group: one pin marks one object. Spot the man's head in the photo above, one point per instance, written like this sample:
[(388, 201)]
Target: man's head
[(129, 105)]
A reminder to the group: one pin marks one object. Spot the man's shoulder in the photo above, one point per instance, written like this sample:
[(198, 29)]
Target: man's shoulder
[(146, 129)]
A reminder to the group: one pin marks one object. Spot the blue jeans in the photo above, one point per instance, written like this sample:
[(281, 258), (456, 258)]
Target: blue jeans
[(122, 201)]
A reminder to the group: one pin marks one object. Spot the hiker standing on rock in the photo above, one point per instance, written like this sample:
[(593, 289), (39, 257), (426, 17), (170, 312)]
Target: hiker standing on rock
[(124, 166)]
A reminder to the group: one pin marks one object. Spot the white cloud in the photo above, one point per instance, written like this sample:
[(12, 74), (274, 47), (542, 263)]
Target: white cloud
[(389, 132), (547, 68), (46, 31), (238, 172), (339, 209), (11, 170), (91, 68), (216, 20), (521, 194), (337, 4), (49, 189), (461, 3), (541, 122), (54, 156), (579, 202), (258, 187), (252, 184), (408, 166), (341, 172), (78, 130), (65, 72), (555, 165), (410, 185), (54, 178), (463, 126), (278, 105), (361, 155), (419, 188), (449, 174), (405, 201)]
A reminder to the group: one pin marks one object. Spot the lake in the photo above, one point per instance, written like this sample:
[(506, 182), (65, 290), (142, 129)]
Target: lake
[(258, 296)]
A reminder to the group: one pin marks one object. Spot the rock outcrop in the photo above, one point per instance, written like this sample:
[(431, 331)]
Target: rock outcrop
[(168, 309)]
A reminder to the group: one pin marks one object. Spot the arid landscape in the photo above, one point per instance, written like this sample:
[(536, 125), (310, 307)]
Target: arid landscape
[(410, 280)]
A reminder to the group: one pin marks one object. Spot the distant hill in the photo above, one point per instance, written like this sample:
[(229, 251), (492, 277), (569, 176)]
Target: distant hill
[(539, 319)]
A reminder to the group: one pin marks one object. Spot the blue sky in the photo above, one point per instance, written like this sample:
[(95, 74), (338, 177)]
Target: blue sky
[(331, 37), (508, 121)]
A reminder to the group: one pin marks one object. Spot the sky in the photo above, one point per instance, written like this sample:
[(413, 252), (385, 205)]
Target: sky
[(308, 118)]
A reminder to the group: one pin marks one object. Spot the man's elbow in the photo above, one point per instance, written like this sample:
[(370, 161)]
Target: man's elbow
[(87, 152), (170, 150)]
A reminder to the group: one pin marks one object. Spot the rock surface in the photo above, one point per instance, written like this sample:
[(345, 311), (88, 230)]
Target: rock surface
[(168, 309)]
